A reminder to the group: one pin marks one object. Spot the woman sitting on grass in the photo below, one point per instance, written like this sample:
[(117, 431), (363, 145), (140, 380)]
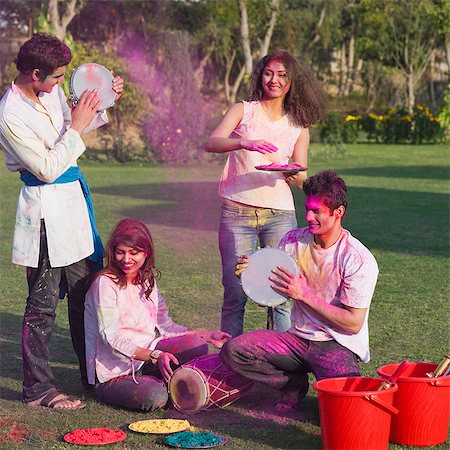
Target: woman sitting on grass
[(124, 309)]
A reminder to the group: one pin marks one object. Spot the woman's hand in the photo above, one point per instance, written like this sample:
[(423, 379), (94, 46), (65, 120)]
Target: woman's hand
[(218, 338), (241, 265), (260, 146), (164, 360), (117, 86), (296, 180)]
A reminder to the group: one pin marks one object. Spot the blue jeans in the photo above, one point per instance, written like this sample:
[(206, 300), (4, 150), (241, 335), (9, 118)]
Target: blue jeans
[(239, 233)]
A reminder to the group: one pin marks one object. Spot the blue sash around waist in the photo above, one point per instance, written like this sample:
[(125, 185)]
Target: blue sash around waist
[(73, 174)]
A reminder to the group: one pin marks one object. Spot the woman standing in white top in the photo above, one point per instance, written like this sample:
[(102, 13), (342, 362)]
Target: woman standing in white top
[(124, 311), (258, 207)]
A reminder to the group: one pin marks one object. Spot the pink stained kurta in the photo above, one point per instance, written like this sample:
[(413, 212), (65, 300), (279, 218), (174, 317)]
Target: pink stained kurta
[(343, 274), (240, 181), (117, 321)]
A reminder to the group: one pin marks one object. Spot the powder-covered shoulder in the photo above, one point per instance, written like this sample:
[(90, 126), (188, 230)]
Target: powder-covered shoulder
[(104, 281), (358, 250), (297, 235), (249, 110)]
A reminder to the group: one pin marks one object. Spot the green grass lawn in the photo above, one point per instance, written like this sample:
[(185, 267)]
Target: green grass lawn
[(399, 208)]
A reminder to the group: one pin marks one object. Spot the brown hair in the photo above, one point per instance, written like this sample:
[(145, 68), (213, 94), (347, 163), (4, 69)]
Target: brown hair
[(43, 51), (329, 187), (132, 233), (305, 103)]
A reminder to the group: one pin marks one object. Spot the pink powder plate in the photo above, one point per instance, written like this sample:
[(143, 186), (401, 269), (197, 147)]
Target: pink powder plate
[(290, 169)]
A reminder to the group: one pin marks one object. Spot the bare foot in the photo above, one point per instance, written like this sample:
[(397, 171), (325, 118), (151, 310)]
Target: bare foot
[(57, 400), (289, 401)]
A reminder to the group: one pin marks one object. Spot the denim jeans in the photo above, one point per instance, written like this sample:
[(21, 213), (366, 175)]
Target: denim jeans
[(283, 360), (241, 229), (39, 317), (151, 392)]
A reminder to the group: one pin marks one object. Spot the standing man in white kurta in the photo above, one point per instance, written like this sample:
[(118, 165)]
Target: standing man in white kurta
[(55, 235)]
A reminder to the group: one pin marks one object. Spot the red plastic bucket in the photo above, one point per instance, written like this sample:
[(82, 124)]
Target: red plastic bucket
[(423, 404), (353, 414)]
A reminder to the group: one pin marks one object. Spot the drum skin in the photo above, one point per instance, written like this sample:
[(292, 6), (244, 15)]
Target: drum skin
[(204, 382), (255, 278), (93, 76)]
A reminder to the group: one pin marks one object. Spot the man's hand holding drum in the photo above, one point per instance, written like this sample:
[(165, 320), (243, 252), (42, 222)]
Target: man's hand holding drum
[(287, 283)]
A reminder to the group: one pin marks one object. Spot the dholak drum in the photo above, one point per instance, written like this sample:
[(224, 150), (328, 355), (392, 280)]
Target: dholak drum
[(255, 278), (92, 76), (205, 382)]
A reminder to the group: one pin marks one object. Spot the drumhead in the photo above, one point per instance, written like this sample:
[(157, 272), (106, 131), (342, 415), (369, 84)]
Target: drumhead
[(255, 278), (188, 390), (90, 76)]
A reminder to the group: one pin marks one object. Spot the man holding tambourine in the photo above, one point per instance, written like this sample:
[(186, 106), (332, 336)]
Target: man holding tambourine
[(55, 235), (331, 288)]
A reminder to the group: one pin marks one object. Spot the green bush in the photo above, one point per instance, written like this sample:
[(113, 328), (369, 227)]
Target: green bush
[(396, 126), (426, 126), (337, 130), (371, 125)]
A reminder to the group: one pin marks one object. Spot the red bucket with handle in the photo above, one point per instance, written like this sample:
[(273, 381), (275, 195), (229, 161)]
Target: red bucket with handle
[(354, 415), (423, 405)]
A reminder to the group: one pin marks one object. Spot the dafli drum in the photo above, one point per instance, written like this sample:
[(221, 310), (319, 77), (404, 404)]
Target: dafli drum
[(205, 382), (92, 76)]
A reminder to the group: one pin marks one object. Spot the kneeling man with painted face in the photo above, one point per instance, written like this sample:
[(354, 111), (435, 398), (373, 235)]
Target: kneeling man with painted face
[(332, 295)]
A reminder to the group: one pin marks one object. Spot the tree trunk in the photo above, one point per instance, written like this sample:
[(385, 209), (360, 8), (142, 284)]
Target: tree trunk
[(245, 37), (350, 64), (236, 84), (447, 57), (200, 71), (342, 69), (268, 37), (59, 23), (411, 93), (317, 36), (229, 66), (431, 80)]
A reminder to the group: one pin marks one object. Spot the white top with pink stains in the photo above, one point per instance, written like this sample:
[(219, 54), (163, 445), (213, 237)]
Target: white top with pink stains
[(343, 274), (240, 181), (116, 321)]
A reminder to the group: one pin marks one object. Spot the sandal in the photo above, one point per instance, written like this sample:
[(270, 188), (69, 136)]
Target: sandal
[(55, 398)]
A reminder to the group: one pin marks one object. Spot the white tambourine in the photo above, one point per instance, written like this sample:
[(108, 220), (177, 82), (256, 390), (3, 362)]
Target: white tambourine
[(92, 76), (255, 278)]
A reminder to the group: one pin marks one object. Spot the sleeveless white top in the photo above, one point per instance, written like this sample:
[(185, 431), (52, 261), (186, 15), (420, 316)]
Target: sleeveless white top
[(240, 181)]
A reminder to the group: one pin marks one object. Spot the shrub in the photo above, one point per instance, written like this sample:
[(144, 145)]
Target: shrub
[(371, 125), (337, 130), (396, 126), (444, 115), (426, 126)]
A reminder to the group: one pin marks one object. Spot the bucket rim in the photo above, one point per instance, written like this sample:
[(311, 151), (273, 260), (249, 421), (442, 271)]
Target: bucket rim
[(387, 391), (406, 378)]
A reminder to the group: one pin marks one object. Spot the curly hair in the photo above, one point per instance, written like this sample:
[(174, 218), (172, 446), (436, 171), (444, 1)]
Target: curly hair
[(329, 187), (132, 233), (43, 51), (306, 101)]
